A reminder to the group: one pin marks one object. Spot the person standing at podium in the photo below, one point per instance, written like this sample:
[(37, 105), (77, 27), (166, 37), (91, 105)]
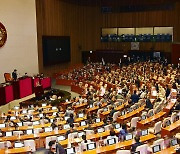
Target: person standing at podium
[(14, 75)]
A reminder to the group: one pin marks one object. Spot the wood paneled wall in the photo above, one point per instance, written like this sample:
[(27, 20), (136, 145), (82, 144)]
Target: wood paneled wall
[(83, 24)]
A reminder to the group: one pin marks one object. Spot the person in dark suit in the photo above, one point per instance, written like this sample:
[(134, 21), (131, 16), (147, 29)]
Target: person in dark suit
[(148, 104), (168, 91), (70, 120), (72, 130), (136, 144), (134, 97), (113, 110), (14, 74)]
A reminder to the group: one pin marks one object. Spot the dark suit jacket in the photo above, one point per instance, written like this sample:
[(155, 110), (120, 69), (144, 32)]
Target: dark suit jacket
[(14, 75), (167, 92), (135, 145), (135, 98), (148, 104)]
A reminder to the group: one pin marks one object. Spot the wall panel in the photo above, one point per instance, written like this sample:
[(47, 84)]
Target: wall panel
[(83, 24)]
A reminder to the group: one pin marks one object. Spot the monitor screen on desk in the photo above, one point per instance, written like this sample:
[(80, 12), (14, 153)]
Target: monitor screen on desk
[(91, 146), (48, 129), (81, 115), (61, 138), (20, 124), (174, 142), (105, 109), (12, 118), (128, 137), (18, 145), (83, 123), (120, 103), (41, 115), (143, 117), (98, 120), (9, 133), (100, 130), (80, 134), (91, 106), (2, 125), (117, 126), (66, 118), (111, 141), (44, 104), (54, 113), (156, 148), (24, 111), (66, 126), (70, 150), (36, 122), (16, 107), (54, 108), (29, 131), (123, 113), (144, 132), (168, 123)]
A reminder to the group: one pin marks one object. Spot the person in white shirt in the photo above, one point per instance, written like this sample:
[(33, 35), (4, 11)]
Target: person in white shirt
[(84, 143), (111, 136)]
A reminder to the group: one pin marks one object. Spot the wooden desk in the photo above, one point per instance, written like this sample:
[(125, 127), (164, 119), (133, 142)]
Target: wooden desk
[(15, 150), (104, 114), (79, 107), (169, 106), (170, 130), (41, 135), (93, 137), (170, 150), (115, 147), (143, 124), (29, 127), (130, 115)]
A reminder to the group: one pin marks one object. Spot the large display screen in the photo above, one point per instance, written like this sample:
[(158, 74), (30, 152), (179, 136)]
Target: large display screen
[(56, 50)]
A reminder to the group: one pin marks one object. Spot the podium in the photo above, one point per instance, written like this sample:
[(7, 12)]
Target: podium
[(22, 87), (39, 91), (45, 82), (6, 94)]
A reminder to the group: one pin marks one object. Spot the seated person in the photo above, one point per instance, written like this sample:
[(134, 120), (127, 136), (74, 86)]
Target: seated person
[(72, 130), (70, 120), (1, 133), (51, 150), (112, 112), (60, 149), (45, 118), (136, 144), (69, 111), (88, 127), (54, 124), (134, 97), (84, 143), (123, 132), (106, 121), (111, 136), (8, 122), (60, 127), (14, 75), (149, 104)]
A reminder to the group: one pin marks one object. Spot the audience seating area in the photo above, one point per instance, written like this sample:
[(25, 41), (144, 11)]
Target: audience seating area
[(118, 107)]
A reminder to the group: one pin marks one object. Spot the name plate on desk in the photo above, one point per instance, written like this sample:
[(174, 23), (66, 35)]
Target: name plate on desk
[(173, 100)]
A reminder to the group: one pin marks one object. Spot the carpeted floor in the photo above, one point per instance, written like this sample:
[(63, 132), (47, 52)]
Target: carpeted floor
[(11, 105)]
